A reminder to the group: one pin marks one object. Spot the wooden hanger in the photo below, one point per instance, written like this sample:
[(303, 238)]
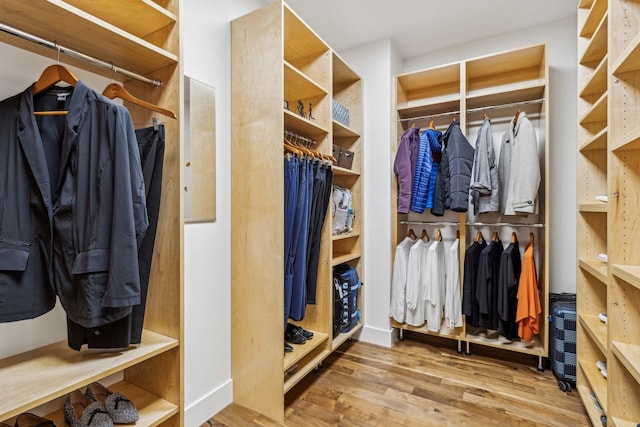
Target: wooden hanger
[(50, 76), (424, 234), (515, 119), (530, 240), (438, 235), (114, 90), (292, 149), (495, 237), (457, 234), (432, 125), (479, 236), (411, 234), (514, 237)]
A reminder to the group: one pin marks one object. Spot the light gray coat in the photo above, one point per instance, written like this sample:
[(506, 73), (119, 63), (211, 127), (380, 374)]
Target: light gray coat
[(484, 184), (519, 169)]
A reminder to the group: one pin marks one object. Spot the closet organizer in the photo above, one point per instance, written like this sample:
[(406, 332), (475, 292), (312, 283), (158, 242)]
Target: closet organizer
[(274, 41), (496, 87), (138, 37), (608, 159)]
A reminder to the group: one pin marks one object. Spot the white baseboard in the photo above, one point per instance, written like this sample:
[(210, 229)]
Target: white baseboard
[(199, 412), (382, 337)]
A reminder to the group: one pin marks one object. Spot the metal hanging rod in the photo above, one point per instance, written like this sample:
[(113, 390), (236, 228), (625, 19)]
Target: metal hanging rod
[(503, 224), (429, 223), (299, 138), (475, 110), (70, 52)]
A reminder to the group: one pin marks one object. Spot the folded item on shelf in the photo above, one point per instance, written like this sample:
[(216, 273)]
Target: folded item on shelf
[(603, 257), (602, 198), (602, 317)]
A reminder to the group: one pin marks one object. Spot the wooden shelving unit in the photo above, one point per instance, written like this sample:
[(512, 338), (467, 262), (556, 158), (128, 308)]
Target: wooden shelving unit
[(143, 40), (274, 41), (608, 161), (496, 85)]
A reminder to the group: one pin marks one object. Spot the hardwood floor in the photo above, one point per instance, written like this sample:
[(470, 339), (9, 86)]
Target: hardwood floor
[(422, 381)]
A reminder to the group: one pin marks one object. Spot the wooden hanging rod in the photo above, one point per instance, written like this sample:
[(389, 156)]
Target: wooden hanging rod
[(70, 52)]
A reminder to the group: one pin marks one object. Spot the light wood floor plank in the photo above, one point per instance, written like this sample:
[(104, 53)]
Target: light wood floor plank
[(421, 381)]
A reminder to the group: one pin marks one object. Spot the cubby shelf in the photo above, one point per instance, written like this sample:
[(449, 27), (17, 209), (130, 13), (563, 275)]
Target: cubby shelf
[(596, 329), (596, 268)]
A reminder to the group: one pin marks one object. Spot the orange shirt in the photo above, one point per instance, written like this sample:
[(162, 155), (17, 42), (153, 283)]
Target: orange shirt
[(528, 298)]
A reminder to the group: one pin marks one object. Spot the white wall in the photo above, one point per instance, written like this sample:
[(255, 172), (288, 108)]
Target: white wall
[(206, 54), (560, 37)]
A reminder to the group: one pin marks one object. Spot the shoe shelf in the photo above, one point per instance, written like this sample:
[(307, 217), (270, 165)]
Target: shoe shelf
[(597, 48), (535, 347), (597, 10), (595, 379), (589, 405), (593, 207), (352, 234), (342, 258), (596, 268), (596, 329), (629, 356), (46, 373), (342, 337), (596, 84), (304, 358), (443, 332), (597, 113), (152, 410), (596, 142), (618, 422), (629, 141), (628, 273)]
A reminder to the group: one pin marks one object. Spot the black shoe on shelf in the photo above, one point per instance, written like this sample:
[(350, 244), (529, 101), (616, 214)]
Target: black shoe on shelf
[(305, 333), (293, 335), (287, 348)]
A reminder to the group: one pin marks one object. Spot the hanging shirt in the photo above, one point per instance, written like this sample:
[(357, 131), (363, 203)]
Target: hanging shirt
[(452, 302), (528, 298), (487, 284), (416, 274), (399, 280), (508, 277), (469, 302), (434, 286)]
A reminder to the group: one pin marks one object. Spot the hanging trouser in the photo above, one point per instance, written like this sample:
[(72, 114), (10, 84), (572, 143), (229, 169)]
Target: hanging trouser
[(301, 239), (128, 330), (291, 172), (321, 195)]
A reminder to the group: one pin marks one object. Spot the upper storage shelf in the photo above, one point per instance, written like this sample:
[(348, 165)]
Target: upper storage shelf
[(431, 91), (503, 72), (95, 36)]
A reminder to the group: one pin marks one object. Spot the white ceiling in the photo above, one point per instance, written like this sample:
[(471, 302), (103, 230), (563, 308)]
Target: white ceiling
[(422, 26)]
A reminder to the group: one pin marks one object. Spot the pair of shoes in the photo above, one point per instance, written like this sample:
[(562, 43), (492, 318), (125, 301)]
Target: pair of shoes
[(287, 349), (98, 407), (27, 419), (79, 411), (602, 365), (294, 335), (305, 333)]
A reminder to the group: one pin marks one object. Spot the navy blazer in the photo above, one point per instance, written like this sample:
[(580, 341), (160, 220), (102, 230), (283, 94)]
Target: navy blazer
[(72, 207)]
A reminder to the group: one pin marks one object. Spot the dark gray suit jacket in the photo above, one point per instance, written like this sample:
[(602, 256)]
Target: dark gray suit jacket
[(72, 207)]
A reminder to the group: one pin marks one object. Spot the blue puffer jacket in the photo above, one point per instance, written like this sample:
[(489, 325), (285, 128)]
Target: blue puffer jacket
[(452, 187), (429, 143)]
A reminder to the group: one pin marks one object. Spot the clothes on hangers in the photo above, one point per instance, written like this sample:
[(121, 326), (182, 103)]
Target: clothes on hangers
[(470, 306), (307, 186), (519, 169), (128, 330), (429, 150), (75, 211), (404, 167), (487, 284), (508, 279), (453, 302), (529, 308), (434, 286), (398, 306), (484, 184)]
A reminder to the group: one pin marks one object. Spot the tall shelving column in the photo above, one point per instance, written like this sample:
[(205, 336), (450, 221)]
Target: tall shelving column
[(623, 305), (302, 70), (497, 86), (592, 236), (348, 247), (145, 42)]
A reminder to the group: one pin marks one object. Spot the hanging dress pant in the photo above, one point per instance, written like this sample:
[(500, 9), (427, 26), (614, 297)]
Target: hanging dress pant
[(291, 176), (128, 330), (509, 276), (469, 302), (322, 183)]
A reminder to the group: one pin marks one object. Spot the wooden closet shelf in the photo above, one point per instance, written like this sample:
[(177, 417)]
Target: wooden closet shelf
[(300, 86), (628, 273), (342, 131), (589, 404), (596, 329), (595, 379), (596, 142), (597, 48), (629, 355), (619, 422), (594, 18), (107, 43), (628, 141), (596, 268), (593, 207), (342, 337), (152, 410), (596, 85), (41, 375), (629, 60), (300, 351), (339, 259)]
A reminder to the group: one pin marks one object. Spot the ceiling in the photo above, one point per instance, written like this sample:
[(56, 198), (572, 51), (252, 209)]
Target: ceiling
[(421, 26)]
